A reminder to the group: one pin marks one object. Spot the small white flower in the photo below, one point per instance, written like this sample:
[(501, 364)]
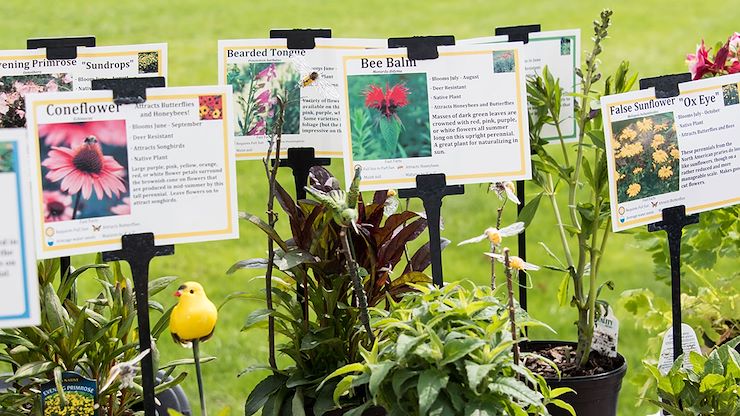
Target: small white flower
[(515, 262), (495, 235), (125, 372), (507, 189)]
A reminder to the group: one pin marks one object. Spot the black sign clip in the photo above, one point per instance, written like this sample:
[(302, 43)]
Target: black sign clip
[(422, 47), (61, 48), (300, 38), (128, 90)]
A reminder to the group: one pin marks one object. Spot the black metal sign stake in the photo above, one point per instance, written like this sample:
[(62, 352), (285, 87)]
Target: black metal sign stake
[(57, 49), (674, 218), (431, 189), (138, 250), (520, 34)]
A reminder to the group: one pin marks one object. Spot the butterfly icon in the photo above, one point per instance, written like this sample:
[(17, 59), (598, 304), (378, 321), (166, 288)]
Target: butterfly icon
[(654, 204), (96, 227)]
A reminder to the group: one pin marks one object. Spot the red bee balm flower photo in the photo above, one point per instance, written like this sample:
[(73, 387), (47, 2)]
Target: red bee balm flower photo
[(387, 102), (390, 122)]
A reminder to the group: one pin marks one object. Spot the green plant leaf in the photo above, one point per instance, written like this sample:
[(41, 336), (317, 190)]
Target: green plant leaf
[(458, 348), (530, 209), (262, 392), (297, 406), (33, 369), (477, 372), (256, 318), (563, 405), (157, 285), (514, 388), (431, 381), (378, 372), (563, 290), (342, 388)]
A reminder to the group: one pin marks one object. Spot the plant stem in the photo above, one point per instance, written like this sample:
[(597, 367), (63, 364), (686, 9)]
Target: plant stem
[(357, 283), (559, 218), (499, 214), (271, 172), (199, 377), (512, 310)]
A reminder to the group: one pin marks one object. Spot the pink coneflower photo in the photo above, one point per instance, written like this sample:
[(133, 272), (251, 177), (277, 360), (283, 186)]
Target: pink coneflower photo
[(85, 168), (90, 176), (124, 208), (57, 206), (110, 132)]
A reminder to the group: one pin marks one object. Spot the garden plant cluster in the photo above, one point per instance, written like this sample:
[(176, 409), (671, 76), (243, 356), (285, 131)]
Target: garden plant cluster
[(354, 325)]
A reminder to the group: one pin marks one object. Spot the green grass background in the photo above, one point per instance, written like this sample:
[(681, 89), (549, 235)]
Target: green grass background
[(654, 35)]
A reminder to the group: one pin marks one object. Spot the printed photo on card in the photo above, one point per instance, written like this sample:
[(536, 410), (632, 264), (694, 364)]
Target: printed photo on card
[(560, 52), (463, 114), (165, 166), (666, 152), (19, 299), (261, 71), (25, 72)]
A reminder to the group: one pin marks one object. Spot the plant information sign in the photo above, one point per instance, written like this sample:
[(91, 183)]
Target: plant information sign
[(19, 300), (463, 114), (560, 51), (262, 70), (666, 152), (25, 72), (165, 166)]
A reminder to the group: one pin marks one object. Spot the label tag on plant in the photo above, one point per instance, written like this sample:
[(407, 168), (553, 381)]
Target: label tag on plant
[(689, 342), (80, 396), (606, 334)]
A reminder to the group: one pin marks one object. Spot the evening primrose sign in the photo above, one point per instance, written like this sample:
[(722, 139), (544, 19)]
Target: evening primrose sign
[(673, 151)]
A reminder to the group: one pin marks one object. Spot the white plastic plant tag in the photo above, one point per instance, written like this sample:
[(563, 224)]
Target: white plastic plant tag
[(606, 334), (689, 343)]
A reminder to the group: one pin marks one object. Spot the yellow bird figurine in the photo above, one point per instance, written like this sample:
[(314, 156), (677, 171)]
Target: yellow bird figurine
[(194, 317), (193, 320)]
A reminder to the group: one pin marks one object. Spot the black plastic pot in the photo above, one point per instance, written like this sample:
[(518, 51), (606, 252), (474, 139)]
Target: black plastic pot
[(596, 395)]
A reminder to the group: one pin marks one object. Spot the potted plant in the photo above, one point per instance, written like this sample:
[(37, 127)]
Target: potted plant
[(95, 338), (707, 386), (583, 222), (446, 351), (321, 322)]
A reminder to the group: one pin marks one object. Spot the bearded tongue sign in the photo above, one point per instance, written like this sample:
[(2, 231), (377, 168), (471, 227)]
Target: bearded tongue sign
[(19, 301), (463, 114), (101, 170)]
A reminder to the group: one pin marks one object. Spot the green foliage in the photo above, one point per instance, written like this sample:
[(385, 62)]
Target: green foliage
[(443, 352), (710, 303), (583, 220), (710, 387), (90, 337), (332, 335)]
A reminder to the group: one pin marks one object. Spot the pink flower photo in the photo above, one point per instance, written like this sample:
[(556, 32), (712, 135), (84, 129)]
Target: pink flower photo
[(85, 168), (13, 90)]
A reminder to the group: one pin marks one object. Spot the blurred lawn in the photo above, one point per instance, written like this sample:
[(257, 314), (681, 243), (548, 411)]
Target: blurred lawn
[(654, 36)]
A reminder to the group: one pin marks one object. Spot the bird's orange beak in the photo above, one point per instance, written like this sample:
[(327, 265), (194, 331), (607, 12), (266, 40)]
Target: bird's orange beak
[(178, 294)]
